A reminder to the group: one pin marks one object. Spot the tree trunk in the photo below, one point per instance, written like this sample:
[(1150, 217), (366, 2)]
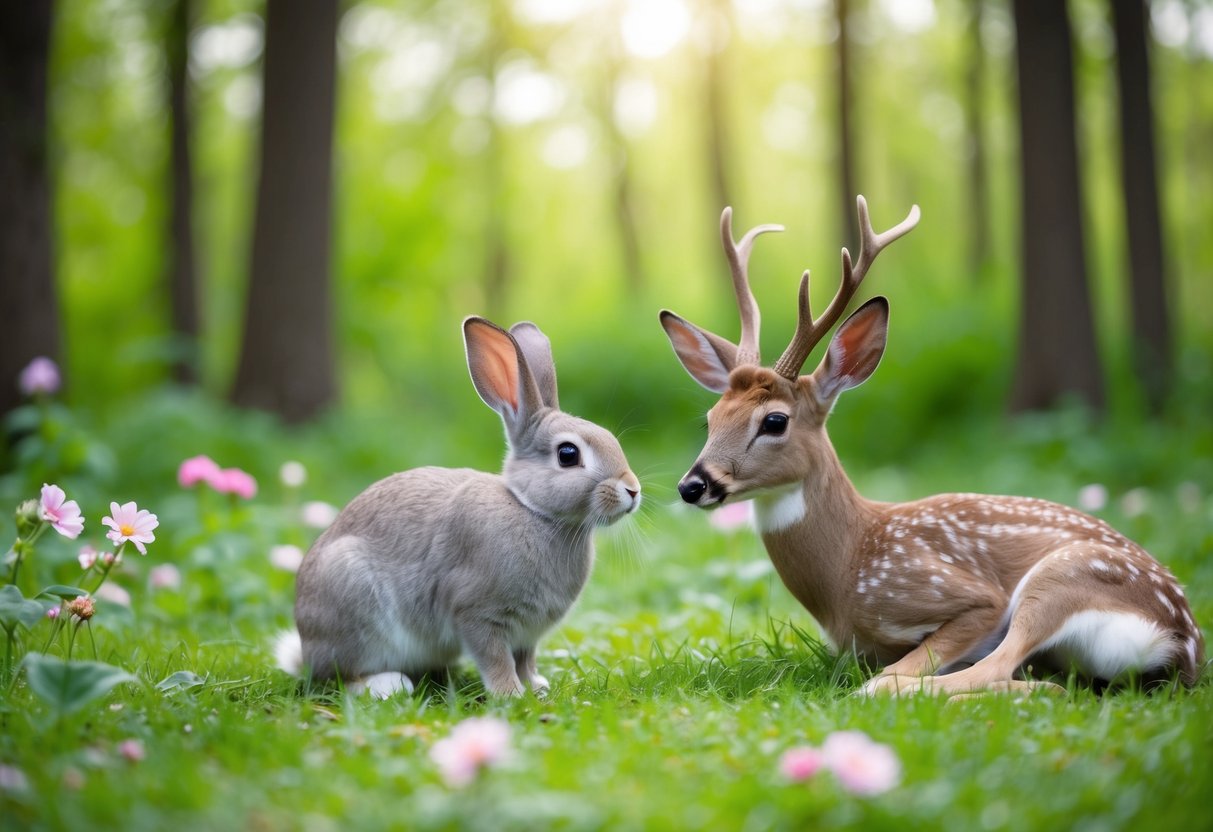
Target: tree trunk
[(975, 117), (286, 365), (182, 276), (28, 296), (1058, 356), (717, 118), (620, 172), (846, 130), (496, 242), (1139, 181)]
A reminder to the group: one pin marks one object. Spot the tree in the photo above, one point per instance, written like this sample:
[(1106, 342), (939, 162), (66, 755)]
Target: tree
[(1057, 356), (846, 130), (28, 294), (978, 201), (1139, 182), (182, 274), (286, 364), (715, 108)]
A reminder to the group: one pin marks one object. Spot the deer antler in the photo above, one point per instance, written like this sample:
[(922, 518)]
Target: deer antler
[(809, 331), (738, 255)]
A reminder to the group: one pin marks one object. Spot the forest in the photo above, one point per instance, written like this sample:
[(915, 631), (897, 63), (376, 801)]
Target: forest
[(238, 239)]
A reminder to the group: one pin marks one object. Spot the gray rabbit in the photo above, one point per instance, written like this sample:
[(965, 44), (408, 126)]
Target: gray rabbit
[(431, 562)]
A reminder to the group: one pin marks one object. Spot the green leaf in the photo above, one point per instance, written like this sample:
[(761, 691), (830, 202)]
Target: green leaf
[(16, 609), (179, 681), (67, 593), (69, 686)]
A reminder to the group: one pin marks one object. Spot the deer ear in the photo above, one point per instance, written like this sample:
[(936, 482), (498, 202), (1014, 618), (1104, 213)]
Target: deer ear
[(855, 350), (707, 357)]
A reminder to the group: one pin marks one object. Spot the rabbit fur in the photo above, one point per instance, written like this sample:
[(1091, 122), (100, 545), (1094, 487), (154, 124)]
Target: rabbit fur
[(432, 562)]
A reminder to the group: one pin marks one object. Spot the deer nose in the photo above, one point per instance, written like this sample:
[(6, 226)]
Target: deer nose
[(691, 488)]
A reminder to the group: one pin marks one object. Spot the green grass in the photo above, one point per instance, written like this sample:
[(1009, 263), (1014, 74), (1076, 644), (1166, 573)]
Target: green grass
[(680, 677)]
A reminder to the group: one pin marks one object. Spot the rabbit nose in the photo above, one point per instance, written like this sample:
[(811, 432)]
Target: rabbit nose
[(632, 492)]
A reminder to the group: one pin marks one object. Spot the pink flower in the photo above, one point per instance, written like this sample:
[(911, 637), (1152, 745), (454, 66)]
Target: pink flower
[(61, 513), (196, 469), (114, 594), (286, 557), (39, 376), (318, 515), (731, 516), (234, 481), (82, 607), (862, 766), (800, 763), (52, 613), (87, 557), (129, 522), (164, 576), (473, 745), (132, 750)]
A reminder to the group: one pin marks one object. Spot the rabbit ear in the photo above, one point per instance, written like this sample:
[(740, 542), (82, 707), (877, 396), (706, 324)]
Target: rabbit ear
[(499, 372), (538, 351)]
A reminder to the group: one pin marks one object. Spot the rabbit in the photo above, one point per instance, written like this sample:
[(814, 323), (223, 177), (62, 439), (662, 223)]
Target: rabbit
[(431, 562)]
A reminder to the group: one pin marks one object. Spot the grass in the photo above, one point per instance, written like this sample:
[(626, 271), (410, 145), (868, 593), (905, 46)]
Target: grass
[(680, 677)]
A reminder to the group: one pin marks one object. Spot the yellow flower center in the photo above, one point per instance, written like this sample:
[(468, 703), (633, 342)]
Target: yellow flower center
[(126, 529)]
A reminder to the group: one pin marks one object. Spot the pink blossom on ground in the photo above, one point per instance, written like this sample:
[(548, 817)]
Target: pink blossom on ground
[(63, 514), (292, 474), (732, 516), (473, 745), (1092, 497), (129, 522), (132, 750), (234, 481), (862, 766), (800, 763), (286, 557), (164, 576), (87, 557), (114, 594), (39, 376), (196, 469), (318, 515)]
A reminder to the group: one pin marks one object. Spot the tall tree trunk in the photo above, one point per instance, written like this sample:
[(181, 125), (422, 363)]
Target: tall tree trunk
[(182, 276), (286, 364), (1058, 355), (975, 117), (28, 296), (1139, 181), (846, 129), (716, 110), (496, 247), (620, 172)]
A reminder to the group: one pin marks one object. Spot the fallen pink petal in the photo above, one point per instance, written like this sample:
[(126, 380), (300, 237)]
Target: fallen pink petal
[(63, 514), (132, 750), (130, 523), (862, 766), (800, 763), (472, 746)]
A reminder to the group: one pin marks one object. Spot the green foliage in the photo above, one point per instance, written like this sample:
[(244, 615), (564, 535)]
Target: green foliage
[(67, 686)]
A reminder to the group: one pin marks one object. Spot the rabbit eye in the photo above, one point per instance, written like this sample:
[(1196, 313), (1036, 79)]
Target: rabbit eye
[(774, 424), (568, 455)]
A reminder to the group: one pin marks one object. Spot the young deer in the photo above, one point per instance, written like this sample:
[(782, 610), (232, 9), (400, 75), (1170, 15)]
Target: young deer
[(928, 586)]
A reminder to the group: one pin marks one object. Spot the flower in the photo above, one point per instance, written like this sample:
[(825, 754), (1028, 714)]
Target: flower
[(732, 516), (129, 522), (318, 515), (286, 557), (473, 745), (164, 576), (12, 779), (234, 481), (87, 557), (862, 766), (61, 513), (1092, 497), (114, 594), (800, 763), (292, 474), (52, 613), (39, 376), (196, 469), (132, 750), (81, 607)]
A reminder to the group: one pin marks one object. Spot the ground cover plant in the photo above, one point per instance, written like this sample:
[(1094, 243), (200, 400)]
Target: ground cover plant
[(688, 689)]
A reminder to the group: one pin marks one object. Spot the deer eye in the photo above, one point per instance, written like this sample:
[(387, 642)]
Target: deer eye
[(773, 424), (568, 455)]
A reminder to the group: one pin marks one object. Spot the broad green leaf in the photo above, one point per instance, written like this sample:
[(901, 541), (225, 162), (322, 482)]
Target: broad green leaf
[(16, 609), (67, 686), (67, 593), (179, 681)]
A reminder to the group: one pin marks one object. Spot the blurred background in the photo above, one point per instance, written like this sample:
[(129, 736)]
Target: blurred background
[(242, 225)]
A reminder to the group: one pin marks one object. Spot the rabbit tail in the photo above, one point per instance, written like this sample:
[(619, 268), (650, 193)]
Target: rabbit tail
[(288, 652)]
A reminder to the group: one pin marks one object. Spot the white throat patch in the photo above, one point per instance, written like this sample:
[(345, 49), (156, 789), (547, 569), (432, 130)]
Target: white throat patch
[(779, 508)]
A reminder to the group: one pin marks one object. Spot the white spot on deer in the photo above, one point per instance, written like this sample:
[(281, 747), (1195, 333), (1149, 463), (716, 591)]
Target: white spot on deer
[(1099, 565), (907, 635), (862, 588), (937, 579), (945, 558), (1166, 602), (1105, 644), (777, 509), (888, 593), (1133, 570), (899, 549), (1154, 577), (885, 563), (1192, 650)]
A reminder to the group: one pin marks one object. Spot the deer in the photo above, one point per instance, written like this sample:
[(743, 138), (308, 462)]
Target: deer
[(952, 594)]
